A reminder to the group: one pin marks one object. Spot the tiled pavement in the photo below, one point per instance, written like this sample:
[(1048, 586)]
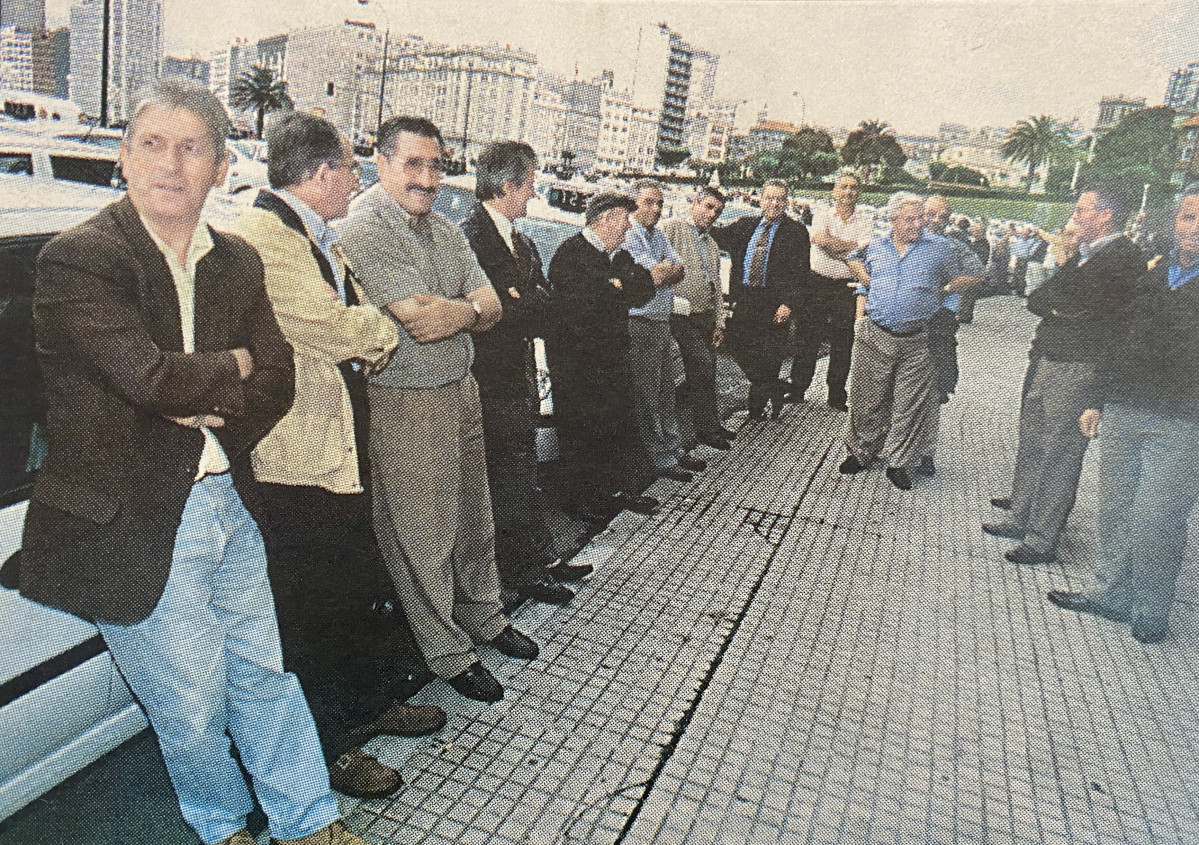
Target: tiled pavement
[(787, 655)]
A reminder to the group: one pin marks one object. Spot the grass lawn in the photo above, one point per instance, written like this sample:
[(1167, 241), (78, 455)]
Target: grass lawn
[(1047, 215)]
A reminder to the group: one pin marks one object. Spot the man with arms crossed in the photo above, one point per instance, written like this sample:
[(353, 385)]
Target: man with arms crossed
[(315, 516), (163, 366), (828, 312), (432, 506)]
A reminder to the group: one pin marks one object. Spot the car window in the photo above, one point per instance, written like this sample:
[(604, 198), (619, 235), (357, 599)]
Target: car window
[(22, 417), (90, 171), (21, 163)]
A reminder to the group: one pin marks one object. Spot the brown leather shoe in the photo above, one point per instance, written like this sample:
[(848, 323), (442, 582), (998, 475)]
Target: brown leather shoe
[(359, 775), (332, 834), (402, 719), (242, 837)]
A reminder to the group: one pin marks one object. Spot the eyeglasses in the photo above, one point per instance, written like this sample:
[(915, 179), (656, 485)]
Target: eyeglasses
[(413, 166)]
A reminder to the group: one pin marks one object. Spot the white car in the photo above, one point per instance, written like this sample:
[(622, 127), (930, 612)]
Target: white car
[(246, 172), (44, 159), (62, 701)]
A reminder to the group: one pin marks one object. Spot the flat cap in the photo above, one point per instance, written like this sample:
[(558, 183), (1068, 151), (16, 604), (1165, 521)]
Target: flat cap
[(605, 201)]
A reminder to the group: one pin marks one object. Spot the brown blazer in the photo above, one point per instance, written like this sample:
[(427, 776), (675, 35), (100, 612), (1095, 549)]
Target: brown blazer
[(109, 497)]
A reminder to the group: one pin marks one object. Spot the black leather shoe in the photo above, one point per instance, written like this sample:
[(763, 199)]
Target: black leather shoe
[(693, 464), (477, 683), (1149, 631), (1028, 556), (899, 477), (1082, 603), (570, 571), (838, 404), (777, 401), (674, 473), (543, 588), (1003, 503), (926, 467), (646, 505), (402, 719), (360, 775), (851, 465), (510, 599), (1004, 529), (716, 441), (512, 643)]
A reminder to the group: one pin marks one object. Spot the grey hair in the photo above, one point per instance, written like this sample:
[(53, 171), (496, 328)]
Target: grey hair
[(775, 183), (501, 163), (646, 185), (898, 200), (178, 92), (298, 143)]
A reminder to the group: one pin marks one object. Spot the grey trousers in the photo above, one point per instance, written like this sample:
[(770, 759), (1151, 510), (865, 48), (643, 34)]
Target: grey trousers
[(1049, 457), (653, 391), (432, 514), (891, 384), (693, 333)]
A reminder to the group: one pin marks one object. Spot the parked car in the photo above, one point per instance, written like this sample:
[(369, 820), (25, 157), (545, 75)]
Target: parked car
[(46, 159), (62, 701), (246, 172)]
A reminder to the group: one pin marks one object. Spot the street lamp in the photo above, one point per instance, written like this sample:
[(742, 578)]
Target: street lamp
[(383, 73), (470, 66)]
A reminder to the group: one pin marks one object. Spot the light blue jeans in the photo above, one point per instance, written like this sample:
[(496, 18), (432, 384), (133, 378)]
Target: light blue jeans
[(1147, 488), (207, 661)]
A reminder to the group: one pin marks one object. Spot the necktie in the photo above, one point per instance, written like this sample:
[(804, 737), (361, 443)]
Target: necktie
[(757, 264), (524, 262)]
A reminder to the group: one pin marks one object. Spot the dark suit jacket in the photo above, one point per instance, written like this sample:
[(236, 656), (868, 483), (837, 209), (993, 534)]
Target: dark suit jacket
[(1081, 308), (788, 267), (502, 350), (109, 498)]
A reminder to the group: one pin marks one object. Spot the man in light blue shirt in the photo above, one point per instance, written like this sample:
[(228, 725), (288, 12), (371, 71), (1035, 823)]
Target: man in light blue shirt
[(904, 277), (650, 339)]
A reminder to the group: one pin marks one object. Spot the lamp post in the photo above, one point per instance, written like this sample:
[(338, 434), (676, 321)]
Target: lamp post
[(383, 70), (104, 63), (470, 66)]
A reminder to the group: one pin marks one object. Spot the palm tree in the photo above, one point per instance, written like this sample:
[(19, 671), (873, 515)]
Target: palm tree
[(1038, 140), (259, 89), (871, 144)]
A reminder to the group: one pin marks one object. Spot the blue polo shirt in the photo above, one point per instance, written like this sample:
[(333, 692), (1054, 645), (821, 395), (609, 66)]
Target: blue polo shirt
[(905, 292), (649, 249)]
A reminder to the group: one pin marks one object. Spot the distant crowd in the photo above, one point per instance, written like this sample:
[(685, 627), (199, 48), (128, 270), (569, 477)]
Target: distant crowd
[(255, 434)]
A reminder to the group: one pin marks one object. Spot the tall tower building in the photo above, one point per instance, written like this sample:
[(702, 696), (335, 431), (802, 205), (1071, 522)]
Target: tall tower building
[(333, 71), (51, 54), (29, 15), (134, 53), (668, 73), (16, 59)]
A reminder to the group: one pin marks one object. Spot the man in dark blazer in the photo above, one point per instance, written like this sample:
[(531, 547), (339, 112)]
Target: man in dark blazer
[(507, 373), (769, 277), (163, 366), (594, 282), (1081, 309)]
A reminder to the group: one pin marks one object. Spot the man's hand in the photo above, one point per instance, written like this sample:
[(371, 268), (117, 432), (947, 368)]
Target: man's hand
[(1088, 423), (199, 420), (960, 283), (782, 315), (666, 273), (245, 362), (433, 318)]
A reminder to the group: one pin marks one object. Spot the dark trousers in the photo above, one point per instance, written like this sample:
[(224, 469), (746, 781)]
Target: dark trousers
[(523, 543), (827, 316), (943, 349), (758, 345), (693, 334)]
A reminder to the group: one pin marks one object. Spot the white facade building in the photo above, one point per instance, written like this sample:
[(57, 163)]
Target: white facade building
[(333, 71), (16, 59), (134, 53)]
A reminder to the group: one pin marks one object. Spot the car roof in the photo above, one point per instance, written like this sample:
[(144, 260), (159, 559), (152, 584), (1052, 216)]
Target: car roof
[(50, 209)]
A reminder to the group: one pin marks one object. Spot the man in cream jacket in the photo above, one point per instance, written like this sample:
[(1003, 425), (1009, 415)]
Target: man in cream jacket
[(325, 569)]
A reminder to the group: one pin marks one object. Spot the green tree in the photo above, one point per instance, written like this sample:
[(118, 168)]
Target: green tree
[(809, 152), (673, 156), (1038, 140), (258, 89), (870, 145), (939, 171)]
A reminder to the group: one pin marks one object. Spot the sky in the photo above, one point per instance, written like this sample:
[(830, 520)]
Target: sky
[(911, 63)]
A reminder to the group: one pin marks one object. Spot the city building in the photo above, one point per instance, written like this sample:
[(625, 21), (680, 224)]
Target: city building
[(921, 150), (333, 71), (226, 64), (987, 160), (1113, 108), (547, 117), (192, 68), (134, 53), (708, 138), (16, 59), (1182, 91), (272, 54), (628, 134), (667, 73), (475, 94), (29, 15), (768, 135), (51, 56), (581, 129)]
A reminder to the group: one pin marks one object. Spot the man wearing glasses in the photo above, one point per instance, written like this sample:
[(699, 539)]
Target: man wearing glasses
[(431, 503)]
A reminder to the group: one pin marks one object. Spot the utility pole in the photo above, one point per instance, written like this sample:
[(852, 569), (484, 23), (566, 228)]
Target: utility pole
[(104, 63)]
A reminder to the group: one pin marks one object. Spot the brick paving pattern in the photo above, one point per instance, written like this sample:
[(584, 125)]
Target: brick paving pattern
[(786, 655)]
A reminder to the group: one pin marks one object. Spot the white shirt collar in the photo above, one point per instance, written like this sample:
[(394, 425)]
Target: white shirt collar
[(502, 223)]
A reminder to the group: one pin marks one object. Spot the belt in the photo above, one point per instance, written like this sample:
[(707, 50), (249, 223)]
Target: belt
[(894, 333)]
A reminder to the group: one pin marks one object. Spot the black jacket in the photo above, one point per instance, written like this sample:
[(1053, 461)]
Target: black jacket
[(1154, 365), (1081, 307), (501, 351), (788, 268)]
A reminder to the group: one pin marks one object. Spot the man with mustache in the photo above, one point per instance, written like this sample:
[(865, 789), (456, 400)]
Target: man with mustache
[(431, 501)]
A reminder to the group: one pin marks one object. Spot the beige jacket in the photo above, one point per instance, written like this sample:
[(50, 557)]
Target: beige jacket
[(314, 443), (687, 242)]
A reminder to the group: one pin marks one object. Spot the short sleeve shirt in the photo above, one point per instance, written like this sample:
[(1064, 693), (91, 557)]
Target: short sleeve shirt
[(397, 256), (857, 228)]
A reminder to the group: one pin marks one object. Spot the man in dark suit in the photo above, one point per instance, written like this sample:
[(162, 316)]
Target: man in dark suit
[(594, 282), (163, 366), (507, 373), (769, 277), (1081, 308)]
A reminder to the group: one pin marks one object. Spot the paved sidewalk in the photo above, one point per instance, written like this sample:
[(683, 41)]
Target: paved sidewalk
[(788, 655)]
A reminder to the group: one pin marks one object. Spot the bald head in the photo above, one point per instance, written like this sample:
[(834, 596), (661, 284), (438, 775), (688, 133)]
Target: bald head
[(936, 214)]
